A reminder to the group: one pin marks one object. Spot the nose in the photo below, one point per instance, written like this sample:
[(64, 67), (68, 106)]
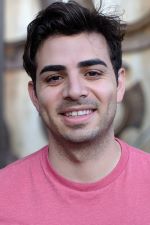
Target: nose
[(75, 88)]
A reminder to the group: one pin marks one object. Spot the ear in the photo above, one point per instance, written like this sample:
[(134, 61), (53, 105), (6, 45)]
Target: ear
[(33, 95), (121, 84)]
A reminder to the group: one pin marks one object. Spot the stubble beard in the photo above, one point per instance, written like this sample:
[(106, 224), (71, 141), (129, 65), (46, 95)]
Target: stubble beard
[(81, 133)]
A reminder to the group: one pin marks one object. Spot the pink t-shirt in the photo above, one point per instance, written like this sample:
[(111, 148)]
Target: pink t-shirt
[(32, 193)]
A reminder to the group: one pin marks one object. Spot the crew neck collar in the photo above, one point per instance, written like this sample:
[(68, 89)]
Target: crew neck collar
[(53, 176)]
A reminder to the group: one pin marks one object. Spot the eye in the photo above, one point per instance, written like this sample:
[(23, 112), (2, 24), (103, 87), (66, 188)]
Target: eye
[(93, 74), (54, 79)]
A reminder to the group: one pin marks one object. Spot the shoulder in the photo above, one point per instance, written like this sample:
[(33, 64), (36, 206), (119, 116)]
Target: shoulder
[(134, 150), (21, 166), (17, 182), (138, 158)]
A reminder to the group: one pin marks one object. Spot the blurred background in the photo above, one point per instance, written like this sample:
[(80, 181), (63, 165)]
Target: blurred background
[(21, 130)]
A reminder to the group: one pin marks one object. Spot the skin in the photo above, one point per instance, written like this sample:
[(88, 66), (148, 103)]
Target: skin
[(76, 96)]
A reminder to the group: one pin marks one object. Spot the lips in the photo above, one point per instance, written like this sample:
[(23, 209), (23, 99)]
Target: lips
[(77, 116), (77, 113)]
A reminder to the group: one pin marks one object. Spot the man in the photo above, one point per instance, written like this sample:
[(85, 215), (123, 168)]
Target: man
[(84, 175)]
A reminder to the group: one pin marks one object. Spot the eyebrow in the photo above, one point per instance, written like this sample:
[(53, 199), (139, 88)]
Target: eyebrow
[(52, 68), (85, 63), (91, 62)]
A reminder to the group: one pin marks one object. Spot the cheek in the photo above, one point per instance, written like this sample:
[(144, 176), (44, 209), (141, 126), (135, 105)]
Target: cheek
[(49, 99), (105, 92), (46, 99)]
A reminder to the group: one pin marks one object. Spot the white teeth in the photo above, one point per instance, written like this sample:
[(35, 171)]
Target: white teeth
[(74, 113), (79, 113)]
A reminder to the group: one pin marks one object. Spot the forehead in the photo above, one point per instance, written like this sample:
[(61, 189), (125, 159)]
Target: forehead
[(63, 49)]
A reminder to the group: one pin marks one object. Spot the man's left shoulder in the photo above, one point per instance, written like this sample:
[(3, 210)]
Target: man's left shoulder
[(136, 155), (139, 153)]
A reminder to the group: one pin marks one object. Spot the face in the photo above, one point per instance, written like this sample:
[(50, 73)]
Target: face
[(76, 89)]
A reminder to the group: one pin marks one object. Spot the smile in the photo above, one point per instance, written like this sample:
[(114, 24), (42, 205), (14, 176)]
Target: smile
[(78, 113)]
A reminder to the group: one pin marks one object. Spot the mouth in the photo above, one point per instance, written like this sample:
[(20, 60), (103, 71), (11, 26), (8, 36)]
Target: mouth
[(78, 113), (77, 116)]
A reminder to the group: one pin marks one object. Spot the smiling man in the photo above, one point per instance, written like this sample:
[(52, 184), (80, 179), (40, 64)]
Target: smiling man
[(84, 175)]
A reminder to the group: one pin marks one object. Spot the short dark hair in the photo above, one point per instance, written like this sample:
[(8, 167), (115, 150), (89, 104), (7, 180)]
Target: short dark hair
[(69, 19)]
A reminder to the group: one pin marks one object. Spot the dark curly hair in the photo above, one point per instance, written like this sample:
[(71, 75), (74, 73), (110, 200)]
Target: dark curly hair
[(69, 19)]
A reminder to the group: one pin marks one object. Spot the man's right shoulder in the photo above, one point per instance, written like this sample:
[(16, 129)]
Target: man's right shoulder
[(17, 182), (22, 166)]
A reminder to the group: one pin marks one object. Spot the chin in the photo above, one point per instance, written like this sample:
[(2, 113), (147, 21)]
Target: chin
[(81, 136)]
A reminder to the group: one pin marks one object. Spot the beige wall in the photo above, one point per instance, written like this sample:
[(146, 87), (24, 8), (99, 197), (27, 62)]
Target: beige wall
[(22, 118), (18, 14)]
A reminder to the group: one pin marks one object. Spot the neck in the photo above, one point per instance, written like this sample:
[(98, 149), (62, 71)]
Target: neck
[(84, 162)]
